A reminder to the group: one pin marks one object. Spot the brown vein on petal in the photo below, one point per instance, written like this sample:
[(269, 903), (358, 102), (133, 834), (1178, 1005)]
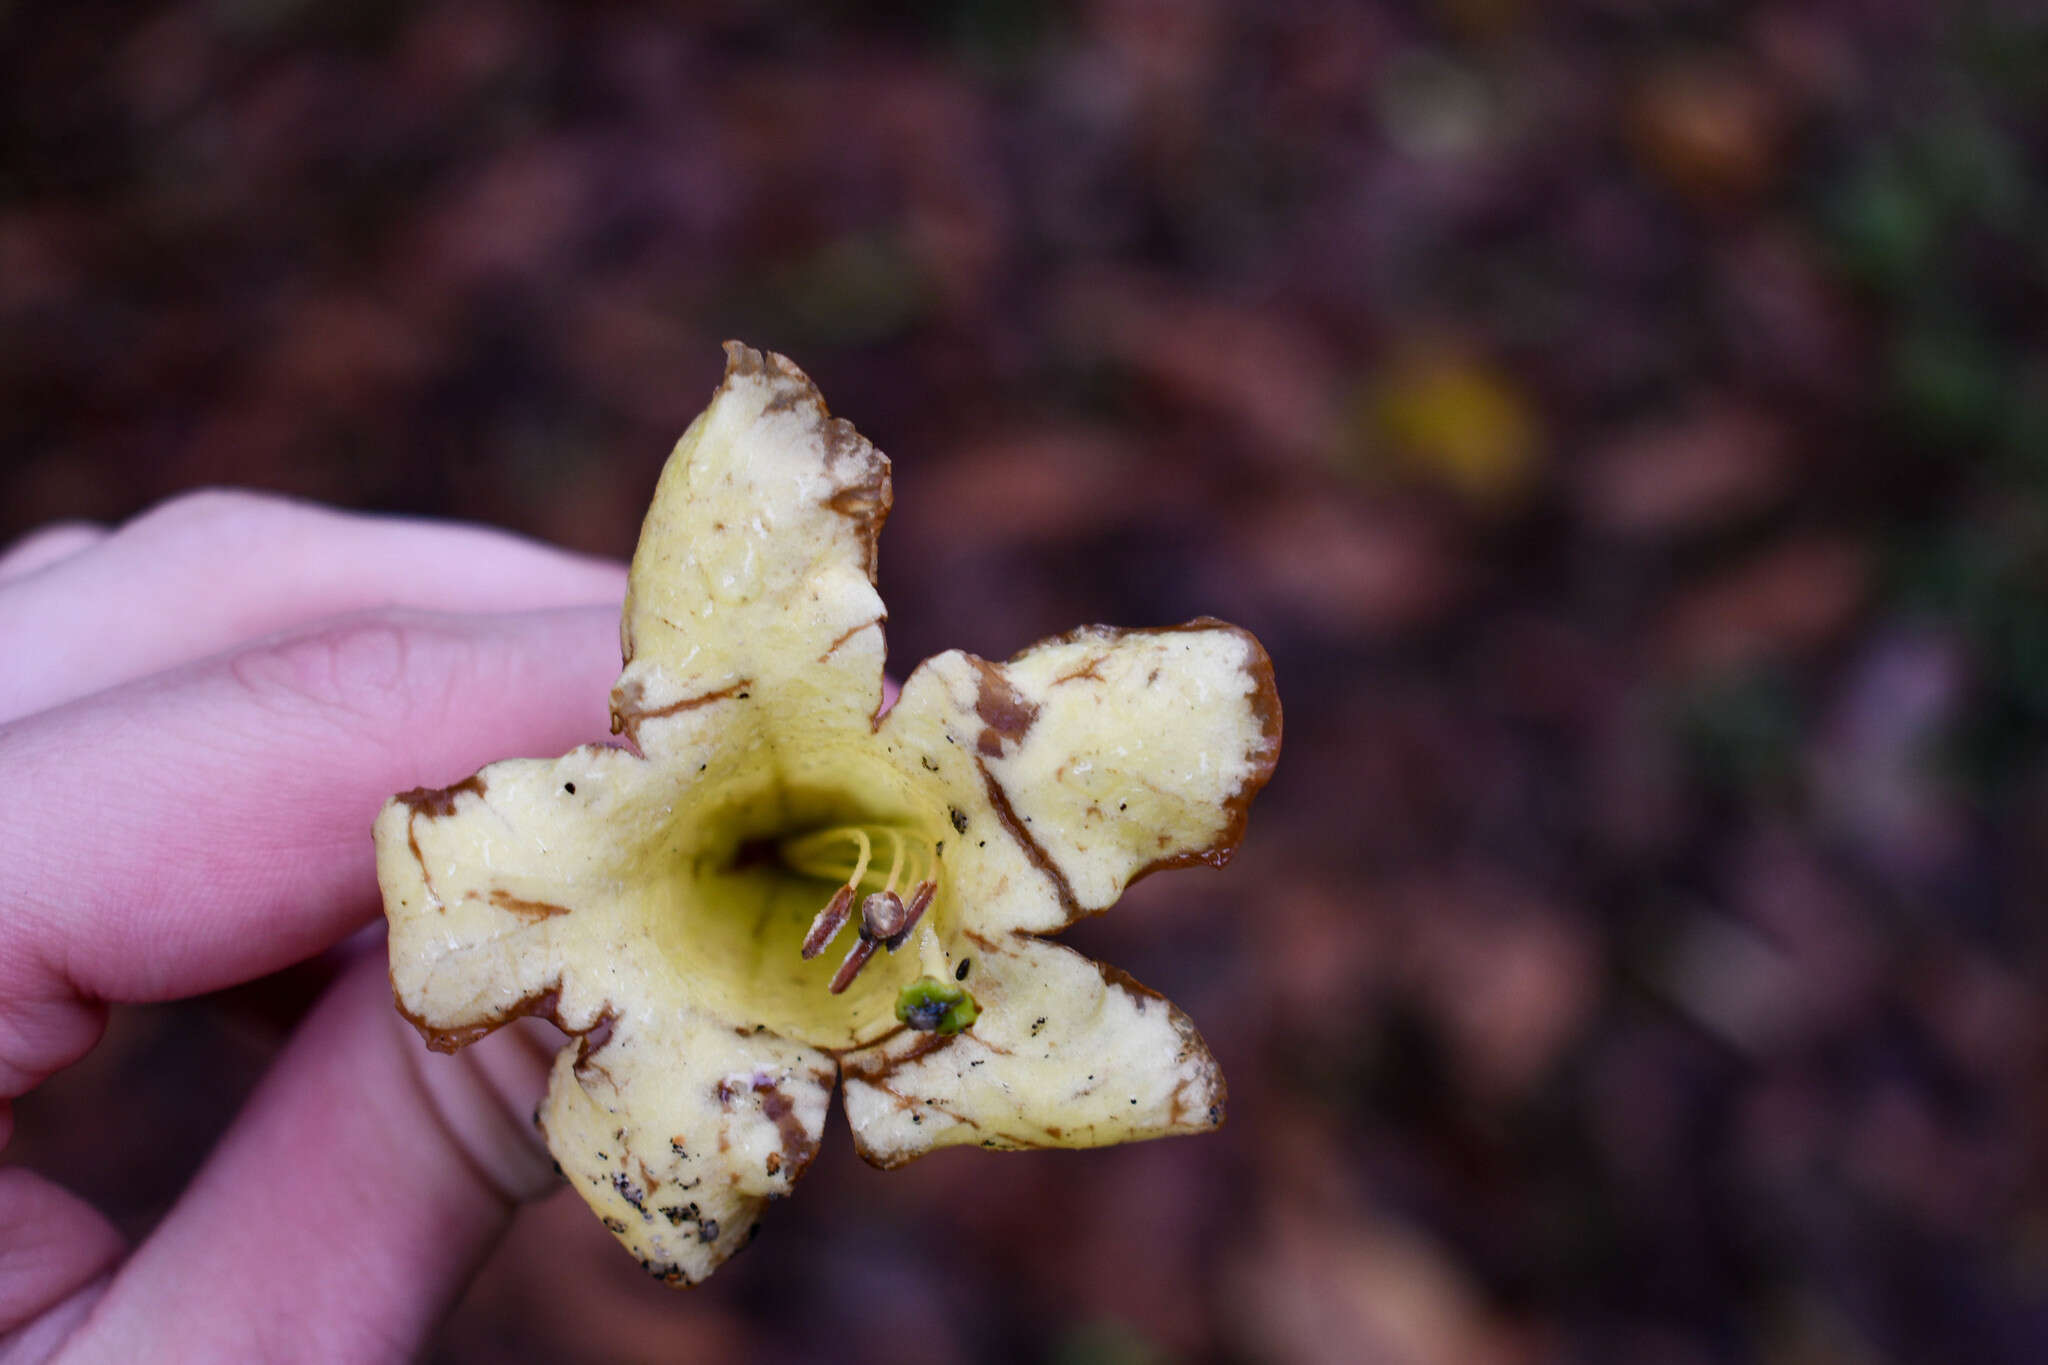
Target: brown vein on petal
[(1006, 715), (879, 1076), (541, 1004), (1087, 670), (628, 715), (833, 648), (999, 800), (880, 1065), (438, 802), (519, 905), (914, 1104), (412, 841)]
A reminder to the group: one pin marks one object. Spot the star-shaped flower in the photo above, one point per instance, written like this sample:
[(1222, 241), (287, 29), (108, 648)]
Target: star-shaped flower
[(668, 901)]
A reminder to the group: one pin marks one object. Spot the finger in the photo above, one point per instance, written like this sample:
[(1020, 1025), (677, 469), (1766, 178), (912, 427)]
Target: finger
[(348, 1205), (41, 548), (208, 571), (208, 826), (52, 1245)]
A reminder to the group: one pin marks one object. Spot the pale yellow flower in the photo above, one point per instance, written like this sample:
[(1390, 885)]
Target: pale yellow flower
[(653, 898)]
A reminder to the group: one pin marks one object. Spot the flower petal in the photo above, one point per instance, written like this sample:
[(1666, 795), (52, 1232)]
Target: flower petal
[(537, 887), (496, 888), (754, 578), (1099, 756), (676, 1128), (1065, 1053)]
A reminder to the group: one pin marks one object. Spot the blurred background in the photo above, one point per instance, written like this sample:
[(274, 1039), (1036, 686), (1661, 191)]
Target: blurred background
[(1625, 421)]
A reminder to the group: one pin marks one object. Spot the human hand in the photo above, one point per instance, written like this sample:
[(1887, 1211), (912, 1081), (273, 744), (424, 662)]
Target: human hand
[(200, 714)]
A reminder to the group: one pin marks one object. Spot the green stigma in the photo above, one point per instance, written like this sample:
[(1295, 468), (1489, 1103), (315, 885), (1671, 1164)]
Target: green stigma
[(930, 1005)]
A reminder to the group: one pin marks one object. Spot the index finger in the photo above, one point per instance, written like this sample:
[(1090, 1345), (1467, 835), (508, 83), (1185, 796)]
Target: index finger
[(206, 826), (209, 570)]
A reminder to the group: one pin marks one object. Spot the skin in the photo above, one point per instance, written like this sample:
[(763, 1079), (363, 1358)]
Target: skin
[(200, 714)]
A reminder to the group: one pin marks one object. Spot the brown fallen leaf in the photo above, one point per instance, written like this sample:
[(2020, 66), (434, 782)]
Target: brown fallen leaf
[(1687, 474), (1791, 596)]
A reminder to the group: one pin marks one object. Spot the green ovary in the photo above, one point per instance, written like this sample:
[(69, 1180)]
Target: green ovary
[(934, 1005)]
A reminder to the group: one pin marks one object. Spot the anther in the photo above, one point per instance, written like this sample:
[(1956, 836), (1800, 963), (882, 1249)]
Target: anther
[(855, 960), (882, 916), (829, 922), (920, 901)]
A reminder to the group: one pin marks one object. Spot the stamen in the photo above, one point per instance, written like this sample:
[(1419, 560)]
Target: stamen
[(882, 916), (829, 922), (846, 854), (920, 901), (860, 868), (863, 949), (895, 863)]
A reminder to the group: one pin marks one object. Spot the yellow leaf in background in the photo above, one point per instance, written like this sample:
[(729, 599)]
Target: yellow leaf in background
[(1457, 422)]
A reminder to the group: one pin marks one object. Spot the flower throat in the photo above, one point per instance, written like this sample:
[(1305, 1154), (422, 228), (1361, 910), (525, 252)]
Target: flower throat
[(890, 911)]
